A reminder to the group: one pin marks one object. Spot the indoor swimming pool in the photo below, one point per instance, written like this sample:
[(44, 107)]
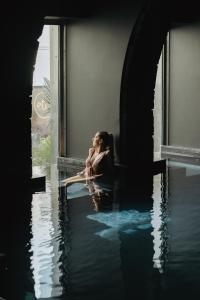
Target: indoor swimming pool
[(99, 243)]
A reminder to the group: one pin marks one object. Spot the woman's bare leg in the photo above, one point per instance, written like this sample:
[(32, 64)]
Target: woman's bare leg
[(78, 178), (73, 179)]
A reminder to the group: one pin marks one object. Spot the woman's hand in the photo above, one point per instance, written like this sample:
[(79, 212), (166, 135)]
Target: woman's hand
[(91, 151), (95, 176)]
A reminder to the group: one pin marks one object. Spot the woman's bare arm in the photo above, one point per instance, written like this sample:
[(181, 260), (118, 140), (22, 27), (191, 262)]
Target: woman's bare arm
[(78, 178)]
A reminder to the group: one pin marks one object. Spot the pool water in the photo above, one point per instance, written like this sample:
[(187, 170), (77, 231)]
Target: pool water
[(97, 242)]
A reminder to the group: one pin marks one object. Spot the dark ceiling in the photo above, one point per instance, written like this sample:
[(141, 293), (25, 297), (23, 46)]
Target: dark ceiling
[(176, 10)]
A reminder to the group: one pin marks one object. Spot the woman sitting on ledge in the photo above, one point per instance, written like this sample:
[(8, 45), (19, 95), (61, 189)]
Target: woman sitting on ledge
[(99, 163)]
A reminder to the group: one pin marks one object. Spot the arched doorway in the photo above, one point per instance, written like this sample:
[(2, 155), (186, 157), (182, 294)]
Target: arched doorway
[(137, 89)]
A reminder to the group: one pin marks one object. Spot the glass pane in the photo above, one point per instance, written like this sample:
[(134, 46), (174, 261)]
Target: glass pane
[(45, 103), (157, 112)]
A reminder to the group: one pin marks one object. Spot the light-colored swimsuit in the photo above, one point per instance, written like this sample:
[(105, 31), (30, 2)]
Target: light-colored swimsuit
[(98, 164)]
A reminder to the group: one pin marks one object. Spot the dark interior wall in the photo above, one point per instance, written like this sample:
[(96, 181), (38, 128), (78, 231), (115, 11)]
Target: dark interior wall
[(96, 50), (19, 53), (19, 45), (184, 76)]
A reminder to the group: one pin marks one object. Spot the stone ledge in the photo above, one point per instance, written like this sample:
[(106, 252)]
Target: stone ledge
[(77, 164), (70, 163), (184, 154)]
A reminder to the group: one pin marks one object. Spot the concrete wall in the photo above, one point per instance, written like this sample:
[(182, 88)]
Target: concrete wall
[(96, 50), (184, 105)]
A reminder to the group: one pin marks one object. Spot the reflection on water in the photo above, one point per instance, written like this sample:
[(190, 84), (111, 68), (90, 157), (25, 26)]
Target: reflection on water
[(159, 222), (59, 245), (42, 248), (93, 241), (46, 236), (125, 221)]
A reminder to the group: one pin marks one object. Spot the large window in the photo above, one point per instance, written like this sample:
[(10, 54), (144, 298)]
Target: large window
[(45, 102), (158, 107)]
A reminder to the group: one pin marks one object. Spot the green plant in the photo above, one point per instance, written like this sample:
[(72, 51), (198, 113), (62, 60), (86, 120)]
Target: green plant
[(41, 154)]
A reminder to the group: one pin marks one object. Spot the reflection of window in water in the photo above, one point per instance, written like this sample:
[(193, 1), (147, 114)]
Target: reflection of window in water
[(46, 241), (159, 219)]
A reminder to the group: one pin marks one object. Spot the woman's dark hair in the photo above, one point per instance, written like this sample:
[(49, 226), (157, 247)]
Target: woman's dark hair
[(108, 143), (107, 140), (106, 137)]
